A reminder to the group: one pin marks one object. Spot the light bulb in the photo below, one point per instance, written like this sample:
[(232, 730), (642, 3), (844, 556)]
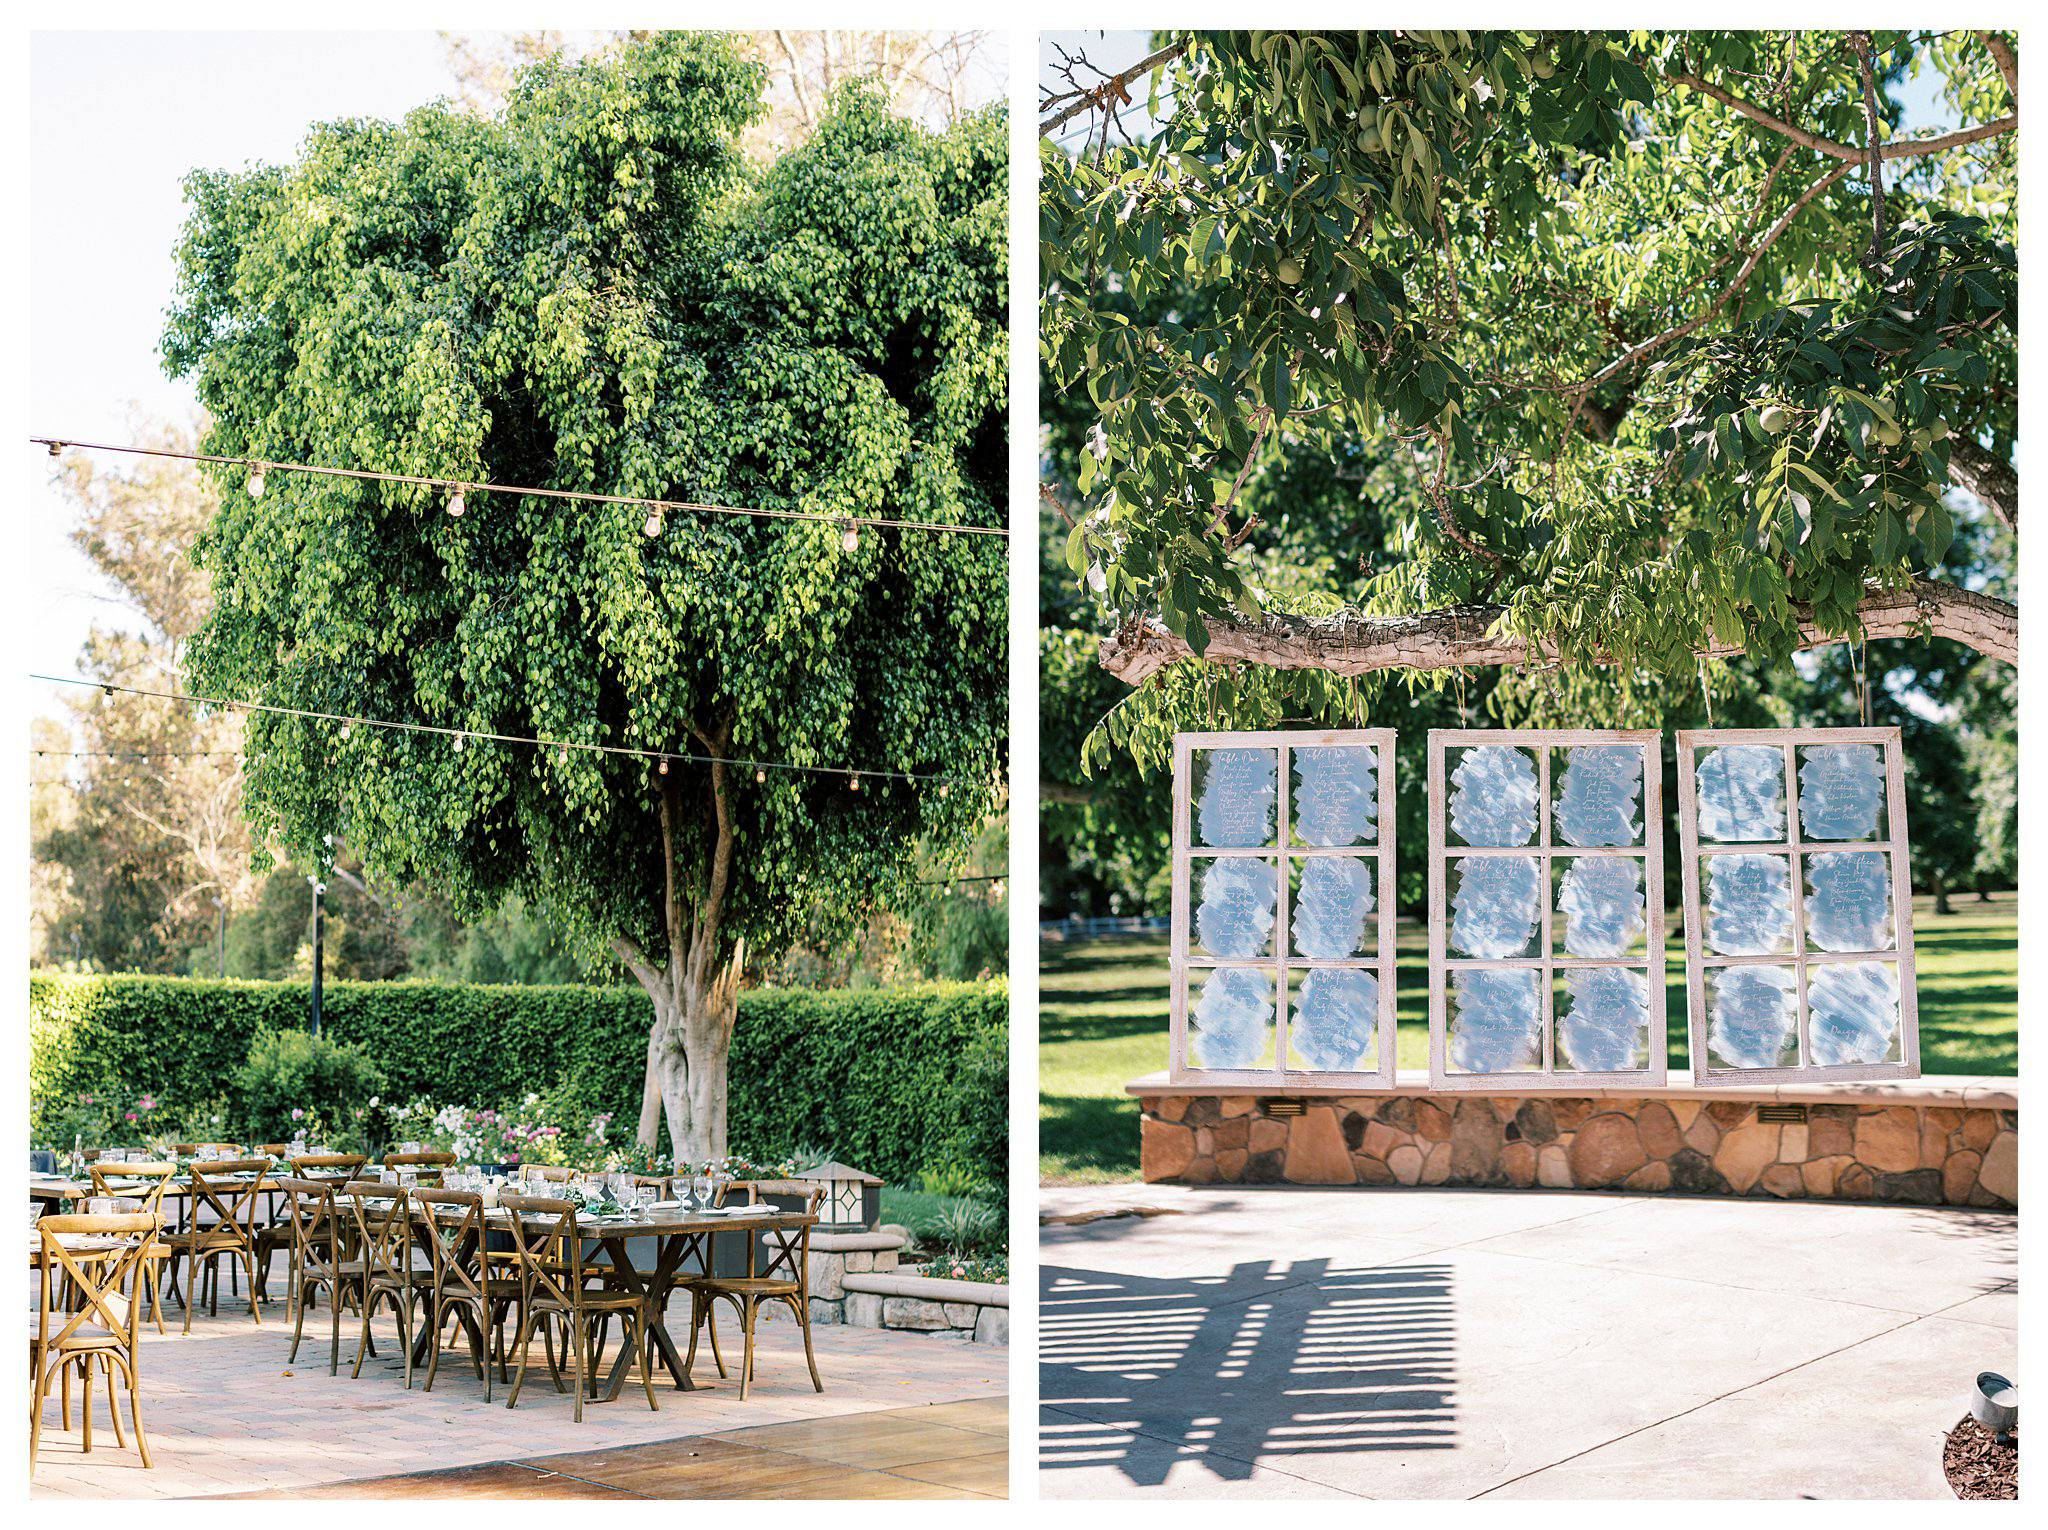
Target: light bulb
[(653, 526), (256, 482), (344, 732), (856, 783), (849, 539), (458, 743), (56, 448), (942, 789), (562, 754), (760, 777), (664, 764), (456, 505), (999, 889)]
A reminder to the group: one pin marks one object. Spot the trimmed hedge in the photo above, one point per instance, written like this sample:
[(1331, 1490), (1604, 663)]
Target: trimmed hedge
[(894, 1080)]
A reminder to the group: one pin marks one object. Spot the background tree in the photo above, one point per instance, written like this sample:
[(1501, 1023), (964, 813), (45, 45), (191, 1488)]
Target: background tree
[(590, 292), (1672, 375), (1320, 352)]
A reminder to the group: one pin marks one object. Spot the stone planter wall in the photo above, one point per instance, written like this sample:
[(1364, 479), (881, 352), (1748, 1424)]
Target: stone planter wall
[(855, 1278), (1930, 1141)]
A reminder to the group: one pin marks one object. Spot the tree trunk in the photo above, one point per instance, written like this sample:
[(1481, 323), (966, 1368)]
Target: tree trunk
[(649, 1133), (1941, 895), (690, 1054)]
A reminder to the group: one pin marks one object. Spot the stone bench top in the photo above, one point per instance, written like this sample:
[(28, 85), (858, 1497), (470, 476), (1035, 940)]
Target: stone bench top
[(1959, 1090), (878, 1242), (979, 1292)]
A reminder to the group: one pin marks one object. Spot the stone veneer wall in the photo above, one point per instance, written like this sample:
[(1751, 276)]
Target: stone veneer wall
[(899, 1298), (1918, 1143)]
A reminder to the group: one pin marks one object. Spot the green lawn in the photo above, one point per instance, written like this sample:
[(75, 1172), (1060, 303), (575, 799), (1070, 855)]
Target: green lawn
[(1103, 1022)]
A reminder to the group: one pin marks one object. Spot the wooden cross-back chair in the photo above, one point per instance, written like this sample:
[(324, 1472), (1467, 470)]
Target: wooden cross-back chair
[(383, 1222), (479, 1292), (778, 1270), (231, 1233), (324, 1257), (103, 1329), (545, 1174), (427, 1165), (156, 1179), (554, 1287)]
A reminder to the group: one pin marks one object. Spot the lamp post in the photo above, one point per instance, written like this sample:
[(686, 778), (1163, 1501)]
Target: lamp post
[(319, 930)]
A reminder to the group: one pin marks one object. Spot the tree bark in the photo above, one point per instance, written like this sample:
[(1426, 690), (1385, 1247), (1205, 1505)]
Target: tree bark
[(1988, 476), (1462, 637)]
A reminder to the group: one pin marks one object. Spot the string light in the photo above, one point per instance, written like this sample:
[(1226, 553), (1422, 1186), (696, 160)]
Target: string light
[(455, 504), (849, 539), (942, 788), (255, 484), (653, 526), (582, 496), (760, 777), (344, 732), (458, 743), (459, 735), (56, 448)]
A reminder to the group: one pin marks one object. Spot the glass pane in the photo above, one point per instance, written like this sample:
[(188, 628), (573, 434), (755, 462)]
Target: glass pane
[(1333, 1024), (1841, 791), (1230, 1025), (1496, 906), (1599, 795), (1234, 792), (1753, 1017), (1749, 904), (1739, 793), (1494, 1021), (1239, 900), (1849, 901), (1334, 897), (1336, 795), (1852, 1013), (1601, 899), (1603, 1020), (1493, 795)]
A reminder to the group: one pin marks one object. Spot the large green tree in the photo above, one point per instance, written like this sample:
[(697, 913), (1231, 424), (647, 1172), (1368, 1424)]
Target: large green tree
[(588, 291), (1654, 346)]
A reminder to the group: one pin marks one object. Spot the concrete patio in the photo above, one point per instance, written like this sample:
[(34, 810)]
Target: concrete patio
[(1405, 1343), (227, 1414)]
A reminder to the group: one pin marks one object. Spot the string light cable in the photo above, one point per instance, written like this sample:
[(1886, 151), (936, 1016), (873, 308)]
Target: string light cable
[(464, 736), (460, 489)]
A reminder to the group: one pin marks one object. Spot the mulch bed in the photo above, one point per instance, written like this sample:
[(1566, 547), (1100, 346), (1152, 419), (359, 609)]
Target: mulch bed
[(1977, 1466)]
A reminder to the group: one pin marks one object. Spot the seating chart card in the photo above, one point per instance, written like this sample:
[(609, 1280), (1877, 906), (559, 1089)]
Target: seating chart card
[(1798, 905), (1283, 908), (1546, 909)]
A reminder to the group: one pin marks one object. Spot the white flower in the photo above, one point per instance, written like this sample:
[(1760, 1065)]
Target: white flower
[(373, 1102), (532, 1100)]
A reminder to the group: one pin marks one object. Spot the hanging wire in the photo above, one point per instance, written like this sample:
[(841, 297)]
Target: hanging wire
[(462, 487), (463, 736)]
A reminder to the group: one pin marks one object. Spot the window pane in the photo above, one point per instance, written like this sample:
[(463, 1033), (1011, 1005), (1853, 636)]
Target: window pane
[(1493, 795), (1495, 1021), (1496, 906), (1739, 794), (1841, 792), (1603, 1020), (1234, 793), (1333, 905), (1336, 795), (1239, 901), (1333, 1026), (1232, 1022), (1849, 901), (1598, 795), (1601, 900), (1852, 1013), (1754, 1017), (1749, 904)]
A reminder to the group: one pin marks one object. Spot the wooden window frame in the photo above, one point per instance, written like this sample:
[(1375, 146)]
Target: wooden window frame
[(1896, 843), (1283, 962), (1550, 1077)]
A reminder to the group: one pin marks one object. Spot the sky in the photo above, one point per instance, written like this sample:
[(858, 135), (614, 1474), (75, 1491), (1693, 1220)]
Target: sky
[(116, 120)]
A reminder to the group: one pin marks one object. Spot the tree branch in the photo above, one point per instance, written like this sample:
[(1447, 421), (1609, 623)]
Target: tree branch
[(2008, 66), (1099, 94), (1988, 476), (1875, 259), (1462, 637), (637, 964), (1902, 148)]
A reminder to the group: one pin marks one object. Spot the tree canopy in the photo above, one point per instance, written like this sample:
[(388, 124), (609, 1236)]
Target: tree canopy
[(590, 291), (1623, 357)]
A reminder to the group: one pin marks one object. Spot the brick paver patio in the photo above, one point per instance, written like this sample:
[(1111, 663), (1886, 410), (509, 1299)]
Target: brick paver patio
[(226, 1415)]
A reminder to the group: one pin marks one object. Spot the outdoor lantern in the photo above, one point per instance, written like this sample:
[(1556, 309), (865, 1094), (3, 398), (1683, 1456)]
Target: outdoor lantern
[(853, 1202)]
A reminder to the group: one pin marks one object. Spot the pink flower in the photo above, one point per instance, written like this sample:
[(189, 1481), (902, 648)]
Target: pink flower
[(297, 1114), (131, 1115), (147, 1102)]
